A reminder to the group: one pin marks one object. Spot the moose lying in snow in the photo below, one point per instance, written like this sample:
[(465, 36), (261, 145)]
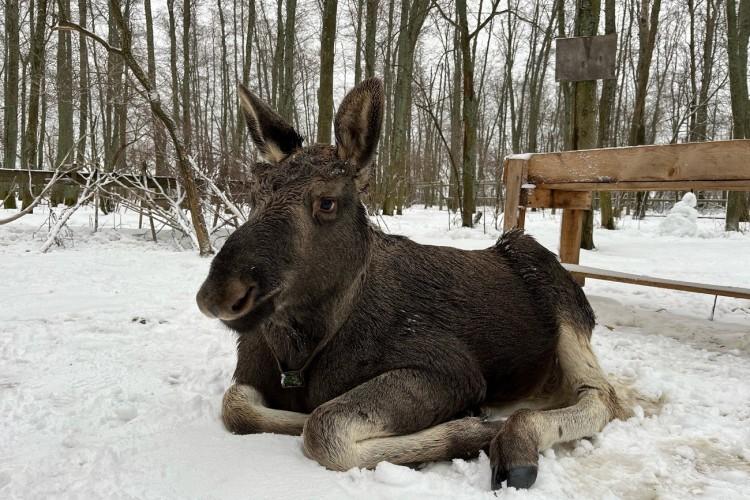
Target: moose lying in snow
[(374, 347)]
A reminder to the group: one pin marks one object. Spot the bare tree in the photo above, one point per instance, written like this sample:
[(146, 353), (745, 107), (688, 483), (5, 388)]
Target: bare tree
[(184, 163), (325, 91), (738, 34), (606, 104), (10, 94), (647, 28)]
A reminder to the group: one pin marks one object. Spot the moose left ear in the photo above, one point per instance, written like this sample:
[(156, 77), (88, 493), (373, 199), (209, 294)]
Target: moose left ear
[(358, 123), (273, 137)]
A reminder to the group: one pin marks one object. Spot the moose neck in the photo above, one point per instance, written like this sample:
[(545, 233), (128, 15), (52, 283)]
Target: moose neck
[(296, 334)]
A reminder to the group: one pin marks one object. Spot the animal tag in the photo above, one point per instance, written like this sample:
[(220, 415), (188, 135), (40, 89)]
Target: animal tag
[(292, 379)]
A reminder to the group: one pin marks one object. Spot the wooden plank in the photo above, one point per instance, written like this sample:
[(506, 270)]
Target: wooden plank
[(570, 239), (521, 223), (40, 177), (585, 58), (513, 174), (548, 198), (638, 279), (704, 161), (701, 185)]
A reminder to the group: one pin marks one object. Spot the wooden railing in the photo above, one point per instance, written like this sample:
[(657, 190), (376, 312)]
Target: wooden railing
[(566, 180)]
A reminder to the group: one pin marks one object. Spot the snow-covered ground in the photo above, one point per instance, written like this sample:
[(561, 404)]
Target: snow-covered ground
[(111, 380)]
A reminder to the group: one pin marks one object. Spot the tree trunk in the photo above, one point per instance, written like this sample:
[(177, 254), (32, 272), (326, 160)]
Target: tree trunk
[(738, 34), (186, 65), (286, 106), (10, 108), (173, 61), (707, 63), (327, 52), (584, 108), (413, 14), (371, 24), (469, 115), (536, 85), (606, 102), (83, 87), (36, 55), (358, 44), (246, 65), (65, 153), (454, 189), (566, 89), (157, 127), (383, 175), (646, 38)]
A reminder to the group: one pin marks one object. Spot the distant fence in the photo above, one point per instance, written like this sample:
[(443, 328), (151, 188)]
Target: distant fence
[(440, 194), (488, 194), (69, 183), (491, 194)]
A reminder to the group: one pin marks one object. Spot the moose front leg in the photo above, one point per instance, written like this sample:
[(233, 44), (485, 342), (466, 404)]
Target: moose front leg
[(245, 412), (401, 417), (514, 453)]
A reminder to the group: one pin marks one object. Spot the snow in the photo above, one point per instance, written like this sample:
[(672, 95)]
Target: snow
[(111, 380), (519, 156), (682, 219)]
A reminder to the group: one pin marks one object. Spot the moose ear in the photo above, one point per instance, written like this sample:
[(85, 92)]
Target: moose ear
[(273, 137), (358, 122)]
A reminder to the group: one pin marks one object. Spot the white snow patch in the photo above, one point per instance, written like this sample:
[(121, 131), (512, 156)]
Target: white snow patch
[(519, 156), (111, 380)]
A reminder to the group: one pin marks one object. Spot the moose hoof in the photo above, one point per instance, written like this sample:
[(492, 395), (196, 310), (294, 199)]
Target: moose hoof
[(517, 477)]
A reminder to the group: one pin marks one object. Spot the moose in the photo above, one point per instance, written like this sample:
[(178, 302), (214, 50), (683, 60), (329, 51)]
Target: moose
[(376, 348)]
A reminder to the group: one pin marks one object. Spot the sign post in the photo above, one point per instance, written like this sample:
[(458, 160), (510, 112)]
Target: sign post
[(582, 60)]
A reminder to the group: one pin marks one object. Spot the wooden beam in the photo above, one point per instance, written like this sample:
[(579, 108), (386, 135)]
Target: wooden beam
[(41, 177), (548, 198), (704, 161), (638, 279), (570, 239), (650, 186)]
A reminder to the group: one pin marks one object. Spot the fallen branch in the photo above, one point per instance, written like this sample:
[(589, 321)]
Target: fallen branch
[(89, 189), (183, 160)]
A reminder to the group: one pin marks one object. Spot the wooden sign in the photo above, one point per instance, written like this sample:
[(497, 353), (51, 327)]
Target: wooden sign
[(586, 58)]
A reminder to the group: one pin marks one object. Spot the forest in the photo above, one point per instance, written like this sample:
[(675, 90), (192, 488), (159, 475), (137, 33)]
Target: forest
[(124, 87), (418, 339)]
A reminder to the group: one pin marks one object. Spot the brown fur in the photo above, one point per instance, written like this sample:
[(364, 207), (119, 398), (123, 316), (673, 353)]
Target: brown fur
[(400, 342)]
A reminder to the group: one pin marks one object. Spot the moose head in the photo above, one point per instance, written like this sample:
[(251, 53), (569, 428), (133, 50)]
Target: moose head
[(306, 240)]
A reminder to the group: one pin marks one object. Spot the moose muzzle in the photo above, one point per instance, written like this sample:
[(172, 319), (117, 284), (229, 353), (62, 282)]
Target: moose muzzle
[(228, 301)]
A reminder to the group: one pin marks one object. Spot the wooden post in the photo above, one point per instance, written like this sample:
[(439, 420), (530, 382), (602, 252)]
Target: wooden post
[(521, 223), (570, 239), (514, 173)]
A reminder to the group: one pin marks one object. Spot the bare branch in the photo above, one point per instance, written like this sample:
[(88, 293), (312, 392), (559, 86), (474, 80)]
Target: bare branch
[(68, 26)]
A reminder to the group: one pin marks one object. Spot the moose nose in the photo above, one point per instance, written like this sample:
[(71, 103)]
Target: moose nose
[(232, 301)]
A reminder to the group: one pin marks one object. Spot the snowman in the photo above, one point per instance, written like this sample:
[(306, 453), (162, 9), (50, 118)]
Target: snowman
[(682, 219)]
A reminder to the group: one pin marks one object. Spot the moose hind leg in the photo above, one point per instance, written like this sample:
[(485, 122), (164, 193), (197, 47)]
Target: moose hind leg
[(514, 451), (400, 416)]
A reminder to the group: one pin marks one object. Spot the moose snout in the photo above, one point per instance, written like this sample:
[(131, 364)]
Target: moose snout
[(230, 300)]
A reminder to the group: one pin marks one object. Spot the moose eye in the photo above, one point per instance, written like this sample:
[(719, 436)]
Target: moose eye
[(327, 205)]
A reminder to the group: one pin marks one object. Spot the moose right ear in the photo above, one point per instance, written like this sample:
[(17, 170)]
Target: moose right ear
[(273, 137)]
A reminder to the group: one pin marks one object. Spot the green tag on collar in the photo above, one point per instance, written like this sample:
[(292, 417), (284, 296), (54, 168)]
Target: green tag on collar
[(292, 379)]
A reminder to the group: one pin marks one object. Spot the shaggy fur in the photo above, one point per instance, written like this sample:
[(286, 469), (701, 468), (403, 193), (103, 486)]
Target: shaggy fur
[(416, 336)]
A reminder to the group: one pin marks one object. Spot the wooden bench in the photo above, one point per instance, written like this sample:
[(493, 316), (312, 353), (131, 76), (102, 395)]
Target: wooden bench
[(639, 279), (566, 180)]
